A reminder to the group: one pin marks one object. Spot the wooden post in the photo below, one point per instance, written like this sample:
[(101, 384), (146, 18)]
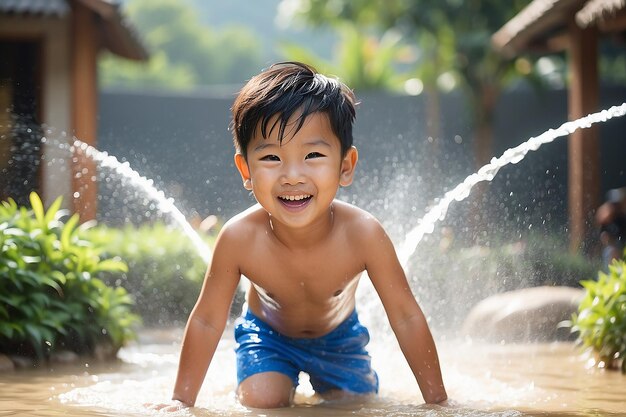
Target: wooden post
[(84, 109), (583, 145)]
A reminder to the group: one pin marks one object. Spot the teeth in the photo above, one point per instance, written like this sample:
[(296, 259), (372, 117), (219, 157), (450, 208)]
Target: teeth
[(295, 197)]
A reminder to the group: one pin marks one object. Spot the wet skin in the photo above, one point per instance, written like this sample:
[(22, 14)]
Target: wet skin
[(300, 295), (302, 271), (303, 253)]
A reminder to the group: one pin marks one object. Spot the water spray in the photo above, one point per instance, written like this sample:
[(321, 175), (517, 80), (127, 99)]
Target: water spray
[(165, 204), (488, 171)]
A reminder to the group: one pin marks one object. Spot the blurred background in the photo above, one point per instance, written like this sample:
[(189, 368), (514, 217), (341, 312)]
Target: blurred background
[(443, 86), (437, 100)]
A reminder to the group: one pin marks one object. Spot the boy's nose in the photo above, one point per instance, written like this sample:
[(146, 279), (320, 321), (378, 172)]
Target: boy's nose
[(292, 174)]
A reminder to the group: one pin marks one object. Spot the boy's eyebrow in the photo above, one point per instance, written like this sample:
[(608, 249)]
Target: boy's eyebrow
[(320, 141), (263, 146)]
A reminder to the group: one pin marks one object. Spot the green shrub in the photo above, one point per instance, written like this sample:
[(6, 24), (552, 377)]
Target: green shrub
[(51, 294), (165, 270), (601, 318)]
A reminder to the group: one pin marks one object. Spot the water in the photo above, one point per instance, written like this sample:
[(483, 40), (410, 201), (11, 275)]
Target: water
[(134, 179), (489, 171), (482, 379)]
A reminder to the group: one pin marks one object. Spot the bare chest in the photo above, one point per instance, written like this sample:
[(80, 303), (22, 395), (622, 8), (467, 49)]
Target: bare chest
[(311, 277)]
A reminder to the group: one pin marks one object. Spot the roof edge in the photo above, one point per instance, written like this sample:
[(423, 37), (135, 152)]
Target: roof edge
[(596, 11), (537, 18), (118, 35)]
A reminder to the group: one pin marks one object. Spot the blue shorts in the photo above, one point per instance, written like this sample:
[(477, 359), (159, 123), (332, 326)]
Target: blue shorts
[(337, 360)]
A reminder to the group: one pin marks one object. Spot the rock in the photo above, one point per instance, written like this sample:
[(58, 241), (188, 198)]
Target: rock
[(6, 364), (526, 315), (64, 357), (23, 362), (105, 351)]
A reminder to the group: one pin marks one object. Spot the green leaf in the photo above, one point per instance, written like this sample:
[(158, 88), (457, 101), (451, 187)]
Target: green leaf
[(31, 259), (52, 283), (111, 265), (58, 276), (52, 210), (38, 209), (35, 333), (14, 231), (6, 330), (11, 330), (4, 313), (40, 298), (14, 300), (68, 230)]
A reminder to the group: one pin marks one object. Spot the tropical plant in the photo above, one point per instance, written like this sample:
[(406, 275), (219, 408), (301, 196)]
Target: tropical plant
[(158, 71), (51, 294), (362, 61), (165, 271), (184, 52), (601, 318)]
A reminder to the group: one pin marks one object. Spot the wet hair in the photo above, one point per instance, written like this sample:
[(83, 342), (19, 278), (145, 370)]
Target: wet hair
[(285, 89)]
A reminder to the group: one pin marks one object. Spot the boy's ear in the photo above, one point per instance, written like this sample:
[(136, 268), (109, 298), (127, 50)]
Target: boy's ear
[(348, 166), (244, 171)]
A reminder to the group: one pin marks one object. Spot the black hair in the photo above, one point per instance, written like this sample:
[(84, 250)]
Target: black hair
[(287, 88)]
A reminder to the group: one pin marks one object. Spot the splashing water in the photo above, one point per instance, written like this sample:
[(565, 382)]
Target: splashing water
[(544, 380), (488, 171), (165, 205)]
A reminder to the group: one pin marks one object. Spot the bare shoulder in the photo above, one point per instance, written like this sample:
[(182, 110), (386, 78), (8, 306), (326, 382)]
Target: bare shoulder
[(242, 228), (360, 225)]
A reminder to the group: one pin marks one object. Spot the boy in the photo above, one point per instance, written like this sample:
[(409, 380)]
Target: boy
[(303, 253)]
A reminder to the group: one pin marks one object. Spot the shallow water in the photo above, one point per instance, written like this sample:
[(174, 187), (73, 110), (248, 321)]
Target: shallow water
[(482, 379)]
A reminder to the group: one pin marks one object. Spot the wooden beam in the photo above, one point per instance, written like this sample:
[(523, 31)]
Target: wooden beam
[(583, 145), (85, 46), (616, 23)]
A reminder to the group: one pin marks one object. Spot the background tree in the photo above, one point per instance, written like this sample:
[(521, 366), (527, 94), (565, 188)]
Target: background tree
[(364, 61), (454, 39), (184, 51)]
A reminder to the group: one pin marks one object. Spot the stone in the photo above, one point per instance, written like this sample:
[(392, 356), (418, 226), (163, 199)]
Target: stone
[(6, 364), (23, 362), (525, 315), (64, 357), (105, 351)]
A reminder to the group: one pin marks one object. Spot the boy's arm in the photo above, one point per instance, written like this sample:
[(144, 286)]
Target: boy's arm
[(419, 349), (404, 314), (207, 320)]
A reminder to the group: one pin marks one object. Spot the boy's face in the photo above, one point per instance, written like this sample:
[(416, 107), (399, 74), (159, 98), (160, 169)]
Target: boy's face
[(296, 181)]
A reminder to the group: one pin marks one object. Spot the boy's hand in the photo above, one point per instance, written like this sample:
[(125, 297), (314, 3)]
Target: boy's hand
[(449, 403), (173, 406)]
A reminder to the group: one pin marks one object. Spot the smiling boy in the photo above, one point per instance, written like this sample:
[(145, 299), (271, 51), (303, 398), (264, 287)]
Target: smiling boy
[(303, 252)]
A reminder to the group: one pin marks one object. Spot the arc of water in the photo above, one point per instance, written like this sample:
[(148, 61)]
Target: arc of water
[(166, 205), (488, 171)]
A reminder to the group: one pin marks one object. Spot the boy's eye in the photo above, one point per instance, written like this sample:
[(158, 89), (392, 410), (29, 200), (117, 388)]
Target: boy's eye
[(270, 158), (314, 155)]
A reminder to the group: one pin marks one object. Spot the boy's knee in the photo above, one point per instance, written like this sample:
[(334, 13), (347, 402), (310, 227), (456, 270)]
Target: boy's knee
[(268, 390), (263, 400)]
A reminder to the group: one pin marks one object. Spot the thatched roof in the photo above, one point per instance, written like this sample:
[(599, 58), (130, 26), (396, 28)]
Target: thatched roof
[(540, 25), (118, 35), (57, 8), (600, 11), (531, 27)]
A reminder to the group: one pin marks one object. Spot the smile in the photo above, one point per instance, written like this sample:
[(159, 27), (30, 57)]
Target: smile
[(295, 197), (295, 201)]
